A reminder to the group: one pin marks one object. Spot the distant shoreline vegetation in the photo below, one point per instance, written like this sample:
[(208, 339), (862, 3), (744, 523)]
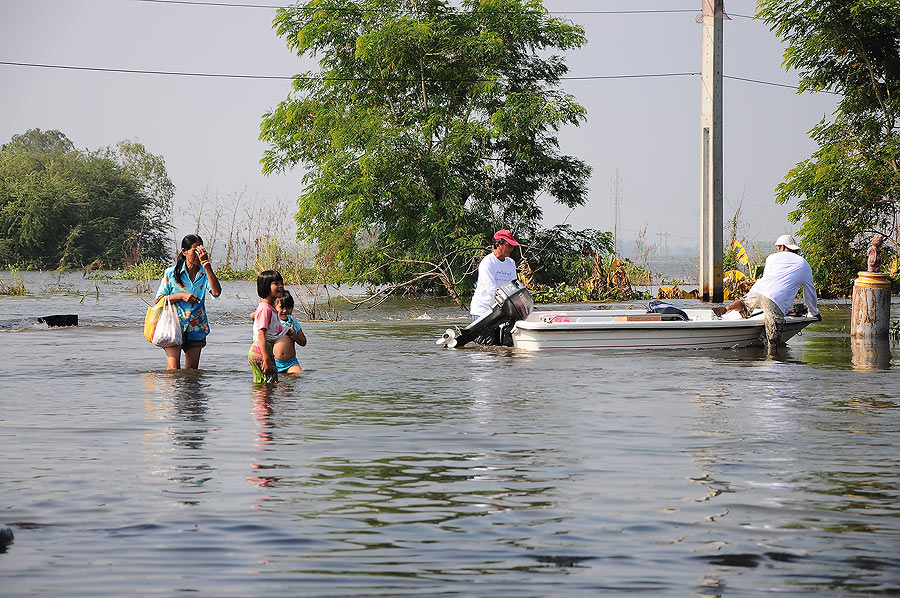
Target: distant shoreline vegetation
[(150, 271), (65, 207)]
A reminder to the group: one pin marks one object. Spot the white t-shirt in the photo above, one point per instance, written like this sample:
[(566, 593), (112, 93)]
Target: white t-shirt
[(785, 273), (492, 274), (266, 317)]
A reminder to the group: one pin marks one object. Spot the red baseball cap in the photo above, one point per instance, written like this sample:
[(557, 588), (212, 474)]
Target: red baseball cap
[(506, 236)]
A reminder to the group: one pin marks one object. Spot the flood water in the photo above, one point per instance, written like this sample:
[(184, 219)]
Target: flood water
[(395, 468)]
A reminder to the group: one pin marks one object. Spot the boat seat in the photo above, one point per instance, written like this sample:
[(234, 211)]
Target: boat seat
[(668, 311)]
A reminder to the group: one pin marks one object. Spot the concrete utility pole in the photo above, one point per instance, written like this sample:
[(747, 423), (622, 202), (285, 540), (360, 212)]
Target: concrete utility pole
[(616, 197), (711, 190)]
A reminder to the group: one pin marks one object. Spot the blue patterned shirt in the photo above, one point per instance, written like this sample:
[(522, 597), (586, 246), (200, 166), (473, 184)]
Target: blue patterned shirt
[(194, 324)]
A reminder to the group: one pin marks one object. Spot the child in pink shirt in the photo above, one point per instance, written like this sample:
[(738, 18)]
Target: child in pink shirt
[(267, 327)]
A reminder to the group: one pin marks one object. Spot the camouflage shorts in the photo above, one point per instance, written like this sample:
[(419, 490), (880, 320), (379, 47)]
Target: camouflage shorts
[(773, 314)]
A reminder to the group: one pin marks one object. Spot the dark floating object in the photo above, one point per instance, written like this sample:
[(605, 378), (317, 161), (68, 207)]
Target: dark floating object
[(734, 560), (6, 536), (562, 561), (60, 320)]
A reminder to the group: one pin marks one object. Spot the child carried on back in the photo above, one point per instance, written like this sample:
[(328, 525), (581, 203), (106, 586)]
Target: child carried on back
[(284, 351)]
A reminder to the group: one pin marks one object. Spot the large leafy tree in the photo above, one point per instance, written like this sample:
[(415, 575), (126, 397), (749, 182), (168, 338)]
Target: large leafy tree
[(62, 207), (40, 142), (150, 238), (850, 187), (428, 125)]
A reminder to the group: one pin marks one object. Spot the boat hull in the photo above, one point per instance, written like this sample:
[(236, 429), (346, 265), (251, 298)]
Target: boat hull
[(609, 329)]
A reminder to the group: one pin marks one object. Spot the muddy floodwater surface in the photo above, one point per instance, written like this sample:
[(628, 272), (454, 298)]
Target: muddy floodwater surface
[(393, 467)]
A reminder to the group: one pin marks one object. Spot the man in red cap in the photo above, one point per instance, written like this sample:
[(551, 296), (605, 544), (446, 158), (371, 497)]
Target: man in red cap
[(496, 269)]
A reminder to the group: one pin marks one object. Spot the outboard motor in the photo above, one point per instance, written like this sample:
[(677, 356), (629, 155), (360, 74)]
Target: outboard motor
[(512, 302)]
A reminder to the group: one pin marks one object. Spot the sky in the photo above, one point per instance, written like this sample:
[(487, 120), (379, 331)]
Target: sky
[(645, 129)]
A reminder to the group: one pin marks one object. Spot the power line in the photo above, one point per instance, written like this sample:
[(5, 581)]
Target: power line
[(771, 83), (193, 3), (144, 72), (387, 79), (380, 10), (312, 78), (359, 9), (638, 76)]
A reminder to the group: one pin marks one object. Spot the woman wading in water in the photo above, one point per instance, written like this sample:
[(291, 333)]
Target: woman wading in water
[(185, 284)]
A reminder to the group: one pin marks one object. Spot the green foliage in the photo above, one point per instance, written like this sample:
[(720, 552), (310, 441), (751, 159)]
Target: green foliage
[(850, 186), (35, 141), (144, 274), (142, 270), (230, 273), (61, 207), (729, 260), (430, 125), (15, 285), (636, 273), (579, 293), (149, 170), (560, 254)]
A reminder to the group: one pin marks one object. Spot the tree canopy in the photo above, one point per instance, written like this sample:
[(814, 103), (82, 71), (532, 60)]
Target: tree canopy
[(62, 207), (850, 187), (428, 126)]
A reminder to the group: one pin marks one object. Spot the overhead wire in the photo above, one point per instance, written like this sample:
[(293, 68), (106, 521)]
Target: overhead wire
[(388, 79), (294, 77), (374, 10), (360, 9)]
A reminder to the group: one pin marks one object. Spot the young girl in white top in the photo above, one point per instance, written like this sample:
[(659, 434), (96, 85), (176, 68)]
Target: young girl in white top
[(267, 327)]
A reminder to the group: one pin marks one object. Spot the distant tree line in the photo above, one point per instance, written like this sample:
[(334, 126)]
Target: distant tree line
[(65, 207)]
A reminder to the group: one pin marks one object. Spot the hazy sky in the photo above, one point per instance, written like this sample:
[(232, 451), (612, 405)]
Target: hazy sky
[(207, 128)]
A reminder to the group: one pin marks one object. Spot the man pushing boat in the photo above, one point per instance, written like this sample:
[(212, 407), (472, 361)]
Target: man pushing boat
[(496, 269), (774, 293)]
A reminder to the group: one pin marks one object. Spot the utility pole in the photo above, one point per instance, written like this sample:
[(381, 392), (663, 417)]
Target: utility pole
[(616, 197), (711, 181)]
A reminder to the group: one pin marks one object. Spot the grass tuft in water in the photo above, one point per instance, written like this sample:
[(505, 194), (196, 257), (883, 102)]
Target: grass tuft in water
[(15, 285)]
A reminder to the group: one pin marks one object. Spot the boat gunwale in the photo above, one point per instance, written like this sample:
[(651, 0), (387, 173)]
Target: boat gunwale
[(562, 326)]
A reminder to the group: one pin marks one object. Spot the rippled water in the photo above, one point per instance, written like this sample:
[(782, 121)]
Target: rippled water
[(393, 467)]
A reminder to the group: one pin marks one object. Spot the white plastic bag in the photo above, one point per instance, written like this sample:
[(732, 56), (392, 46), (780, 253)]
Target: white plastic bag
[(168, 327)]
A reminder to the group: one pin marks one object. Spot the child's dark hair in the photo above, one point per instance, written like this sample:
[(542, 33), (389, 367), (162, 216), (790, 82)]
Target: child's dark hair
[(186, 243), (264, 282), (287, 300)]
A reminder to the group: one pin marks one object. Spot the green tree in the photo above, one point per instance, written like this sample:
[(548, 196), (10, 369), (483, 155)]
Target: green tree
[(63, 207), (561, 254), (850, 187), (429, 125), (151, 238), (40, 142)]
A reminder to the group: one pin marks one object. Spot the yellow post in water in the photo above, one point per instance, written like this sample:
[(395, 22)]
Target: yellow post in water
[(871, 311)]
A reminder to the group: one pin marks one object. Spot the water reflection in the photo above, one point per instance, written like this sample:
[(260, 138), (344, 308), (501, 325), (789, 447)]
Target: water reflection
[(829, 343), (870, 353), (774, 495), (434, 501), (180, 400), (264, 413)]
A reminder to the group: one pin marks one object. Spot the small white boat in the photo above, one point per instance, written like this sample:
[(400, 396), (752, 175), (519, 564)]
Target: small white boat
[(665, 327), (635, 329)]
